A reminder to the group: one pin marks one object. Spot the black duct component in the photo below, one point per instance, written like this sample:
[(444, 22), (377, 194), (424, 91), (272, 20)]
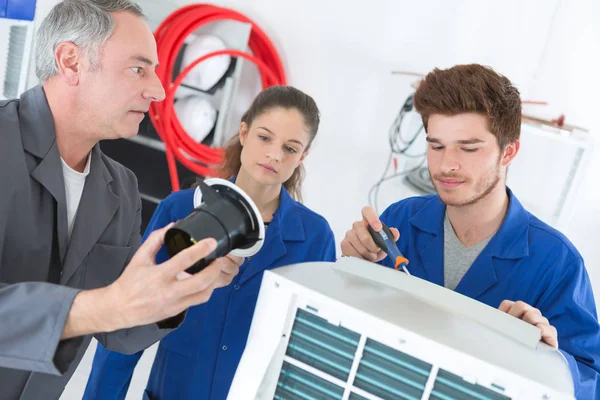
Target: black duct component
[(225, 213)]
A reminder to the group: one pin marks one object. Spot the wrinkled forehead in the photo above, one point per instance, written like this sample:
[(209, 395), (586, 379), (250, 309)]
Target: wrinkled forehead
[(131, 37)]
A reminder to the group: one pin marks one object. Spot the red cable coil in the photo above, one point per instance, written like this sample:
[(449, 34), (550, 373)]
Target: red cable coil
[(170, 36)]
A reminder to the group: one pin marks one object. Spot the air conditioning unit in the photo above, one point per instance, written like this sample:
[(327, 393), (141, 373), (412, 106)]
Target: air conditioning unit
[(16, 24), (356, 330)]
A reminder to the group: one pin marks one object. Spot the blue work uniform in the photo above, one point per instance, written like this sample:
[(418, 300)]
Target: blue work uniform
[(199, 360), (525, 260)]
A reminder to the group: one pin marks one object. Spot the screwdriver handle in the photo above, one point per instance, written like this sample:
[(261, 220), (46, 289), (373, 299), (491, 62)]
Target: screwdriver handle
[(382, 238)]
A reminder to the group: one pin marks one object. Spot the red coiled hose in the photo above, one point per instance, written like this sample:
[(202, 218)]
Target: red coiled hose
[(170, 36)]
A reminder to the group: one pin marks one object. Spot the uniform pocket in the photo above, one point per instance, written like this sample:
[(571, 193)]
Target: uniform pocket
[(104, 265)]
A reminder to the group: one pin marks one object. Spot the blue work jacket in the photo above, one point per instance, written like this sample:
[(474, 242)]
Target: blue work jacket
[(525, 260), (199, 360)]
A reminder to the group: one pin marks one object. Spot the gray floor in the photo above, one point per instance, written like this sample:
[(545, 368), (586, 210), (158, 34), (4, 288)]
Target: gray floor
[(76, 386)]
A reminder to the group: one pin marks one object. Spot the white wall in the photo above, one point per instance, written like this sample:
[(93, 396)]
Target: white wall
[(342, 53), (568, 79)]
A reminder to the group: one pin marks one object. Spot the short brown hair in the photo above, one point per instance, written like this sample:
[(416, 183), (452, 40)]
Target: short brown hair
[(472, 88)]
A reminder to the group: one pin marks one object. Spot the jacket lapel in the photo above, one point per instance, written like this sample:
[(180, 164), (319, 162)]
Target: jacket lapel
[(510, 242), (96, 209), (285, 226), (429, 240), (39, 140), (480, 276)]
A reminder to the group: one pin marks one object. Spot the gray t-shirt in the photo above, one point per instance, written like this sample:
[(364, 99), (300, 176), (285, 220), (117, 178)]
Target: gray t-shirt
[(458, 258)]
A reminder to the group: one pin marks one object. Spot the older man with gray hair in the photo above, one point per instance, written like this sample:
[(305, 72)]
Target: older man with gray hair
[(71, 265)]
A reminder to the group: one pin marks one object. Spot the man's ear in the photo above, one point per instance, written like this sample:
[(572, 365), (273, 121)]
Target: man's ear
[(510, 152), (68, 57)]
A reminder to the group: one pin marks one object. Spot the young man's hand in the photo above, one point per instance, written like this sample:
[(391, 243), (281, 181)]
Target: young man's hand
[(358, 241), (532, 315)]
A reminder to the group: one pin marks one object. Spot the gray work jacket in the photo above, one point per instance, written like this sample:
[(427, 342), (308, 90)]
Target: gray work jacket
[(35, 250)]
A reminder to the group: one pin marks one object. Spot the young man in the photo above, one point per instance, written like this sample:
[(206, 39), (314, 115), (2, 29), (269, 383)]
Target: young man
[(474, 236), (70, 216)]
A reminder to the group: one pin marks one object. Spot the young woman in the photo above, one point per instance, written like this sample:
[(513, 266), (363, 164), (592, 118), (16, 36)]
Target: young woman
[(199, 360)]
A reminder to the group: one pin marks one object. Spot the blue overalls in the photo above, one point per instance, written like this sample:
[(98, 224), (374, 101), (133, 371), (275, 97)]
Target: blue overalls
[(526, 260), (199, 359)]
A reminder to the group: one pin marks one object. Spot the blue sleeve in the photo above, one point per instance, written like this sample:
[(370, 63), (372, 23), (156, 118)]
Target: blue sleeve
[(329, 253), (111, 371), (161, 218), (111, 375), (569, 305)]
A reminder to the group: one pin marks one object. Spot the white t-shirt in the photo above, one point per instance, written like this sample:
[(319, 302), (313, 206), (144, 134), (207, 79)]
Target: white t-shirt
[(74, 183)]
